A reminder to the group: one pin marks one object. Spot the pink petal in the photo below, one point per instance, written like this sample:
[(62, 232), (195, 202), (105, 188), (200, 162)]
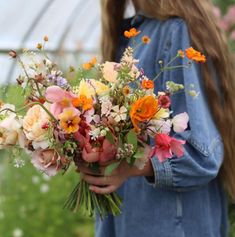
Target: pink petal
[(177, 147), (162, 155), (91, 156), (180, 122), (56, 94), (56, 109)]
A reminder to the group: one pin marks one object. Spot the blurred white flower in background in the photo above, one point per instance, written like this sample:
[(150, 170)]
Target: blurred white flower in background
[(35, 179), (2, 215), (44, 188), (17, 232)]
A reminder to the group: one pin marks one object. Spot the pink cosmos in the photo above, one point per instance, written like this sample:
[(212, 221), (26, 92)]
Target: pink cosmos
[(60, 98), (167, 146)]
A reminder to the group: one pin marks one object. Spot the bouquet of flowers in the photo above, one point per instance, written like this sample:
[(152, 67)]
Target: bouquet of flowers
[(102, 121)]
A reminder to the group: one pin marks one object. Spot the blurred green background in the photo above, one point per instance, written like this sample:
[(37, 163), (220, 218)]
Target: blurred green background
[(31, 203)]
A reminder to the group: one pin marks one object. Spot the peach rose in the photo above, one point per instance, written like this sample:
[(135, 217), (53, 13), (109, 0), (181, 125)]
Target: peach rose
[(109, 72), (33, 126)]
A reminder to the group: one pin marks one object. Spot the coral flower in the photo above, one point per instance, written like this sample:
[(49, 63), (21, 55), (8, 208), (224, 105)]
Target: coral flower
[(195, 55), (147, 84), (131, 33), (69, 120), (143, 109), (146, 40), (167, 146), (89, 65), (83, 102)]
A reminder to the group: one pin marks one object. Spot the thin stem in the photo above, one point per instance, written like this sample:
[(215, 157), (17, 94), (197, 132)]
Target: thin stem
[(28, 105), (168, 69)]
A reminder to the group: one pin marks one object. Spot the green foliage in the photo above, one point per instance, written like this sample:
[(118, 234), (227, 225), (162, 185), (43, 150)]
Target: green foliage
[(33, 203)]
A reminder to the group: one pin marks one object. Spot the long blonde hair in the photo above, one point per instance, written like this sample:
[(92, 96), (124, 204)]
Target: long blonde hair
[(206, 37)]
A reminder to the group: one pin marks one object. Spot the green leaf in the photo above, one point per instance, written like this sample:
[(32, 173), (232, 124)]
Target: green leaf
[(132, 139), (139, 154), (110, 137), (110, 168)]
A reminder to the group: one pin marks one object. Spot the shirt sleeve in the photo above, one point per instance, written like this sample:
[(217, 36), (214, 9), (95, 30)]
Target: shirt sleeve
[(203, 151)]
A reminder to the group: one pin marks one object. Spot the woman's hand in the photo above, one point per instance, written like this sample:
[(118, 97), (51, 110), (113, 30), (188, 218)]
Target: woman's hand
[(107, 184)]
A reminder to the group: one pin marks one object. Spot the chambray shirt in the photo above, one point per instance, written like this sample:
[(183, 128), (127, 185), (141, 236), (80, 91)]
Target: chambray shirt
[(185, 198)]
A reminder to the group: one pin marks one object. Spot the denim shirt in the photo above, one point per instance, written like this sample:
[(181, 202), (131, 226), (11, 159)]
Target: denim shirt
[(185, 198)]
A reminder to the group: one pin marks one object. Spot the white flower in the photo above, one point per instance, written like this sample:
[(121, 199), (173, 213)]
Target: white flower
[(106, 107), (95, 133), (44, 188), (180, 122), (17, 232), (91, 116), (119, 113), (159, 126), (10, 127), (18, 163)]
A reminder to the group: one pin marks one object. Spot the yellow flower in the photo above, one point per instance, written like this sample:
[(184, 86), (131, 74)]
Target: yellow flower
[(99, 87), (69, 120), (162, 114), (86, 89)]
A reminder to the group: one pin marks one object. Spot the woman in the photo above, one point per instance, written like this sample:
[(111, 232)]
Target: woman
[(180, 197)]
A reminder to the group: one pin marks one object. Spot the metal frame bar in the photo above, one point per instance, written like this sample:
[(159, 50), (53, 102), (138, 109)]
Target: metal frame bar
[(28, 33)]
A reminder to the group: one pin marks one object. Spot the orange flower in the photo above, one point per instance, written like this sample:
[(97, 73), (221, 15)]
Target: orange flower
[(146, 39), (147, 84), (195, 55), (69, 120), (181, 53), (89, 65), (143, 110), (126, 90), (131, 33), (83, 102)]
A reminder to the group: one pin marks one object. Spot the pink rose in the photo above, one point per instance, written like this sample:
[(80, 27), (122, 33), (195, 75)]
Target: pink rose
[(48, 161)]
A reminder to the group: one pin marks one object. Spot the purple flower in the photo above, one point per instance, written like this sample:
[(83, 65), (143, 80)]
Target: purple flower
[(57, 80)]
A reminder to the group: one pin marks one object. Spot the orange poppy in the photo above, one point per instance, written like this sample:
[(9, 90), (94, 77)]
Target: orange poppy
[(143, 110), (131, 33), (89, 65), (147, 84), (83, 102), (195, 55)]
